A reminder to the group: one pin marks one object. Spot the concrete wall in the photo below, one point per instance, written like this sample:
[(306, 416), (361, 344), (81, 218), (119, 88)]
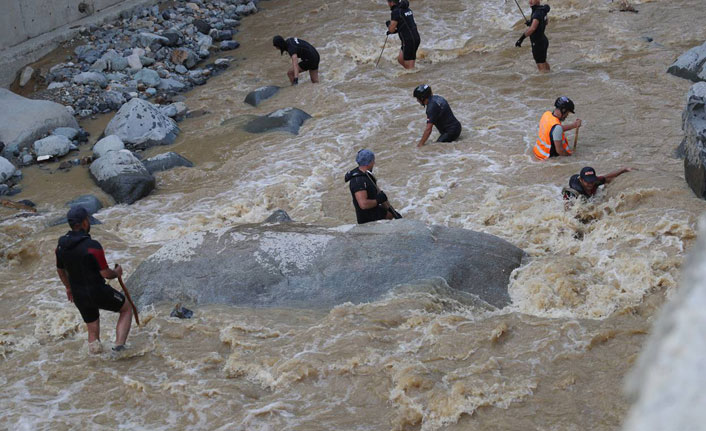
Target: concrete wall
[(30, 29), (24, 19)]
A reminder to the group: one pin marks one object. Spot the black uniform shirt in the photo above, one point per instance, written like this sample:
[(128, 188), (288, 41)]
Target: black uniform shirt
[(439, 114)]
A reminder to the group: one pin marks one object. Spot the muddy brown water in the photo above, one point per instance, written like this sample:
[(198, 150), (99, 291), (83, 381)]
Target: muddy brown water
[(419, 359)]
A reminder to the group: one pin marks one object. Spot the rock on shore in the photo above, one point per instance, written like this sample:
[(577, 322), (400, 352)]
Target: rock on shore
[(298, 265), (24, 121), (694, 144)]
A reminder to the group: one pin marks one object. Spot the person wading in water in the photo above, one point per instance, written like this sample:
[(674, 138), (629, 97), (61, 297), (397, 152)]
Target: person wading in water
[(402, 22), (537, 25), (82, 268), (369, 201), (299, 49)]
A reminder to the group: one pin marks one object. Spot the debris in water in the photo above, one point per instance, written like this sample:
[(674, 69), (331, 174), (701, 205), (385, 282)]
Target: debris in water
[(181, 312)]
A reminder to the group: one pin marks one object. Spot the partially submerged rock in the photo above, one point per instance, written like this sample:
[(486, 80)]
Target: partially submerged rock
[(282, 120), (297, 265), (694, 143), (279, 216), (91, 204), (140, 125), (166, 161), (23, 121), (691, 65), (123, 176), (263, 93)]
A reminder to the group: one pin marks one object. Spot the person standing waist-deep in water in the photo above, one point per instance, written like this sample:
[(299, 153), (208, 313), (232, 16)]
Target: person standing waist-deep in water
[(551, 140), (402, 22), (537, 25), (370, 203), (82, 268), (304, 57), (439, 114)]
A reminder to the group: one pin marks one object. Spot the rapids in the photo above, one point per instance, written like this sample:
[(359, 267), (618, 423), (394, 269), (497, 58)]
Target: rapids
[(419, 359)]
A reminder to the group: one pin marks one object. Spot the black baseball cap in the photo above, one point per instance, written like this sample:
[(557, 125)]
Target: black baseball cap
[(588, 174), (76, 215)]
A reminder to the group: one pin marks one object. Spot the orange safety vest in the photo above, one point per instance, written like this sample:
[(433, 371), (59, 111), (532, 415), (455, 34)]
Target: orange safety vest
[(544, 141)]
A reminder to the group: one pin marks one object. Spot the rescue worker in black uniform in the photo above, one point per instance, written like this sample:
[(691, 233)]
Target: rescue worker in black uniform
[(402, 22), (299, 49), (585, 184), (82, 268), (370, 202), (537, 24), (439, 114)]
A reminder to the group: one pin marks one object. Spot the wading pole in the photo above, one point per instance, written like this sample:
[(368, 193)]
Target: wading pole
[(132, 304), (383, 50)]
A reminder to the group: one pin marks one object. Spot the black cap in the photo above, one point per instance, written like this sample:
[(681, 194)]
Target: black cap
[(279, 42), (588, 174), (76, 215)]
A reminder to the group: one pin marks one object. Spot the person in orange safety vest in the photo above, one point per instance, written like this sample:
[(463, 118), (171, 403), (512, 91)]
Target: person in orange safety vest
[(552, 141)]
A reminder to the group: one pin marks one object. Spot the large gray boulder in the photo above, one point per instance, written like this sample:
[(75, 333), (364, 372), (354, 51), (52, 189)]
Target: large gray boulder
[(140, 125), (23, 121), (166, 161), (298, 265), (667, 384), (691, 65), (263, 93), (122, 176), (694, 143), (282, 120), (109, 143), (7, 169), (53, 145)]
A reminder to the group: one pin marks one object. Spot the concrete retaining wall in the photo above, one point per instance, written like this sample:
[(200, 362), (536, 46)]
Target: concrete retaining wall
[(30, 29)]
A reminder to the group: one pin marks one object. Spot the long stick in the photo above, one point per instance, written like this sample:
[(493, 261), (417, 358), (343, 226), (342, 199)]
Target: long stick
[(576, 139), (395, 214), (132, 304), (383, 50), (523, 14)]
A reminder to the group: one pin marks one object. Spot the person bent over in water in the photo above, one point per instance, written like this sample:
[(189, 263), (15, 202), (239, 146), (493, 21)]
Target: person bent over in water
[(402, 22), (540, 44), (439, 114), (370, 202), (82, 268), (552, 141), (299, 49), (585, 184)]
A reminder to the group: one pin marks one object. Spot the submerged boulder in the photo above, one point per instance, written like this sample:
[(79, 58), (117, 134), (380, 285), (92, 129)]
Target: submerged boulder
[(140, 125), (694, 143), (263, 93), (298, 265), (89, 202), (123, 176), (166, 161), (691, 65), (23, 121), (282, 120)]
